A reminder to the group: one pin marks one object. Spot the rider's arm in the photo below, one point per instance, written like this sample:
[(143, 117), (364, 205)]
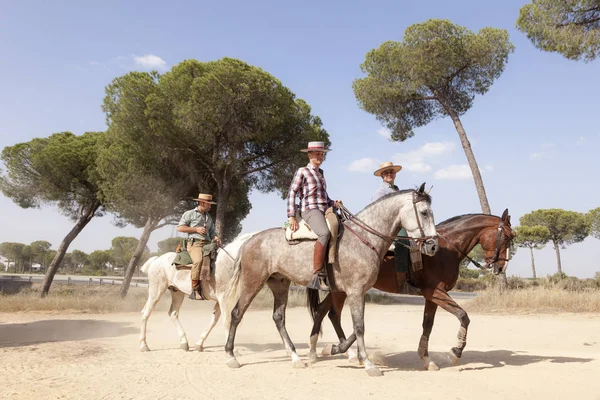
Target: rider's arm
[(294, 187)]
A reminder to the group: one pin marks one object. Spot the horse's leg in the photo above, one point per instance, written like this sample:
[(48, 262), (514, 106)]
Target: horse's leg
[(213, 321), (281, 289), (324, 307), (335, 316), (176, 300), (155, 292), (428, 318), (357, 308), (247, 293), (443, 299)]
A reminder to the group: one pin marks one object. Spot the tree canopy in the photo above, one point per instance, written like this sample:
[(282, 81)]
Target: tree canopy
[(533, 238), (567, 27), (565, 227), (225, 126), (61, 170), (436, 71), (593, 218)]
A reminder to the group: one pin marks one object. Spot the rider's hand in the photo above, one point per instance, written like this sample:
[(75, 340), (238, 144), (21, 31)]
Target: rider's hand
[(201, 230), (337, 204), (293, 224), (218, 240)]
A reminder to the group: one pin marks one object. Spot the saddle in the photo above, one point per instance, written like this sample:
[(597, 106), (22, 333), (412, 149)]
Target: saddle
[(305, 233), (183, 260)]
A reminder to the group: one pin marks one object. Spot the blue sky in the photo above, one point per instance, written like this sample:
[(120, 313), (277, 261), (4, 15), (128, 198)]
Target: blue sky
[(535, 134)]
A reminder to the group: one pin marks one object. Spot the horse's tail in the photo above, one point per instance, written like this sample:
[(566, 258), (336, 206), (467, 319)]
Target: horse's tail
[(313, 303), (146, 265), (232, 294)]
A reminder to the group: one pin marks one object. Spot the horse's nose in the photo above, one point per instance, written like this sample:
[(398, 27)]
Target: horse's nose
[(432, 245)]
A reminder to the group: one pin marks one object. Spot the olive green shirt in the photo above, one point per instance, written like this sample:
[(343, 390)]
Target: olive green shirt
[(196, 219)]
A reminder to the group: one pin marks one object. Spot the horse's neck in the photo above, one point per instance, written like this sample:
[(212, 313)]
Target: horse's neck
[(464, 234), (384, 217)]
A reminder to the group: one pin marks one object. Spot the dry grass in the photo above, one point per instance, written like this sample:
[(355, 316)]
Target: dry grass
[(75, 298), (536, 299)]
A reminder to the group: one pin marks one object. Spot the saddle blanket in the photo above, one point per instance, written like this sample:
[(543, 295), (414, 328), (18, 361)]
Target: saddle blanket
[(303, 232)]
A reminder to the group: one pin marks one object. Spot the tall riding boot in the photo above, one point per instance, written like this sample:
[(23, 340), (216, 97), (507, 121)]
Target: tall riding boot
[(319, 280), (404, 287), (196, 291)]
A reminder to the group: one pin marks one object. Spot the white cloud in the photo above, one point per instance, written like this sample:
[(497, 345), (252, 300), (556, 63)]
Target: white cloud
[(489, 168), (581, 140), (540, 156), (384, 132), (417, 161), (548, 145), (150, 61), (363, 165), (454, 173)]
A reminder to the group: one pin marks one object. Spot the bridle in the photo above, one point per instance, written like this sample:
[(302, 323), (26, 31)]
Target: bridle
[(493, 259), (347, 216)]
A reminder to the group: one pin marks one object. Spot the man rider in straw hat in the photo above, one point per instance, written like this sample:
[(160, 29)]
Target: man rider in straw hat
[(310, 186), (387, 171), (200, 230)]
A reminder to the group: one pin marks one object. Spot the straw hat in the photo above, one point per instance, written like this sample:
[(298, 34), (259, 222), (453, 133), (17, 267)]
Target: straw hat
[(315, 146), (385, 166), (205, 197)]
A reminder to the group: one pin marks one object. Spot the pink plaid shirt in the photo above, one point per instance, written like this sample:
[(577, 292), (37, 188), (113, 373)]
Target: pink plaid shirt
[(308, 184)]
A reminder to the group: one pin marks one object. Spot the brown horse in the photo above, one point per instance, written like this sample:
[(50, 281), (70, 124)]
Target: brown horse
[(457, 237)]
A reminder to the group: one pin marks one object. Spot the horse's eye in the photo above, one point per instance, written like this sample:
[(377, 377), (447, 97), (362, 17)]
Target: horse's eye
[(424, 213)]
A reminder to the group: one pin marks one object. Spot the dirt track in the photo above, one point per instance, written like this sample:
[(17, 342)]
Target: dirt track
[(96, 356)]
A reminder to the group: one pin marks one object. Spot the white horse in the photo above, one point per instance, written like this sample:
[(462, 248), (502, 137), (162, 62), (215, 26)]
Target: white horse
[(163, 275)]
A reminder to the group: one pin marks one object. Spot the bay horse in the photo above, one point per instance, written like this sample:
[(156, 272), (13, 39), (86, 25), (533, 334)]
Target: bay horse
[(457, 237), (268, 258), (163, 275)]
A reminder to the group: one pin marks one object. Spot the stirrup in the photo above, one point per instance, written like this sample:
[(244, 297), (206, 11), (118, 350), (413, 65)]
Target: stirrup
[(407, 288), (197, 292), (319, 282)]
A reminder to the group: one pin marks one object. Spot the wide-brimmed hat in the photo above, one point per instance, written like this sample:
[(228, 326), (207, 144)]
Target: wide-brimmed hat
[(205, 197), (315, 146), (385, 166)]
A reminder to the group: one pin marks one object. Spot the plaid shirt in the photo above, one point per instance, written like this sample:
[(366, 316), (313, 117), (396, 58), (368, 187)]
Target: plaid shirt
[(308, 184)]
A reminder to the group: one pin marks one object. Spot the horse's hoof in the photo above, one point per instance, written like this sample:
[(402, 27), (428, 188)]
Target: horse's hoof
[(453, 358), (184, 346), (431, 366), (313, 358), (327, 350), (199, 347), (298, 363), (373, 371), (144, 348), (233, 363)]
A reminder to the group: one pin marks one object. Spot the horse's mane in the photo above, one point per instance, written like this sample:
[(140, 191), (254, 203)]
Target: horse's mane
[(460, 218), (421, 196)]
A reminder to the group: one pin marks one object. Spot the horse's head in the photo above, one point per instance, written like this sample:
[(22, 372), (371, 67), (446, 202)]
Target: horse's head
[(495, 242), (417, 219)]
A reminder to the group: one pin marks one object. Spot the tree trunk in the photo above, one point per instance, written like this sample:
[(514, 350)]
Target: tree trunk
[(557, 250), (151, 224), (85, 216), (485, 206), (223, 197), (532, 263)]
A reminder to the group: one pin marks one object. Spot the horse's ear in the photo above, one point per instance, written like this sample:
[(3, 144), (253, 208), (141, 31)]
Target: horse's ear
[(505, 216), (422, 188)]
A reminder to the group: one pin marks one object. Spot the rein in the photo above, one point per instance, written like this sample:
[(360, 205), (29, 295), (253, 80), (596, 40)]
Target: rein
[(348, 216), (496, 253)]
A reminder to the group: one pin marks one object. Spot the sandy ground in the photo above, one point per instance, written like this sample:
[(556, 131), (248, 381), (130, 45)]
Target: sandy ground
[(83, 356)]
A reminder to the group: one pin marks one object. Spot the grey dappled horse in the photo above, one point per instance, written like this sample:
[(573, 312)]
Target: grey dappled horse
[(268, 258)]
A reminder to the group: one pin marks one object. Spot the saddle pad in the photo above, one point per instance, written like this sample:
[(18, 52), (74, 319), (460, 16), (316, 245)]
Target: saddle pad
[(303, 232)]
